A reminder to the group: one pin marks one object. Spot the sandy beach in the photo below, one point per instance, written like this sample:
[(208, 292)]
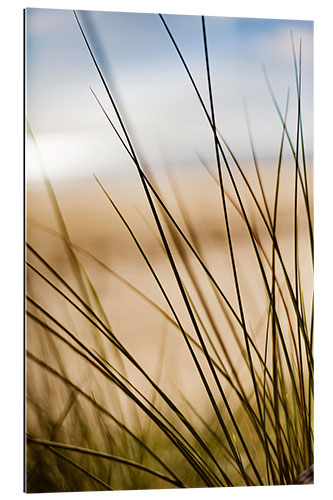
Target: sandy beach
[(93, 224)]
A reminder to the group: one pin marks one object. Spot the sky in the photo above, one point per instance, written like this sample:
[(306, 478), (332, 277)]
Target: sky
[(72, 136)]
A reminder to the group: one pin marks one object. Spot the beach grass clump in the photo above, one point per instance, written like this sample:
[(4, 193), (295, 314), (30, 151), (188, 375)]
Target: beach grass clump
[(97, 416)]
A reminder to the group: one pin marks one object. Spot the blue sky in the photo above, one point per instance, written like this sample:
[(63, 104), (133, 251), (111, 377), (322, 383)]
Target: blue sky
[(149, 83)]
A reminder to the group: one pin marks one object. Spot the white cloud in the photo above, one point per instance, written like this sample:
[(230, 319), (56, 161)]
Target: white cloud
[(278, 46)]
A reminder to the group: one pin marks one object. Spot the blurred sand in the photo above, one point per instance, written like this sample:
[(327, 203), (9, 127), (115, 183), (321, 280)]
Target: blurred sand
[(93, 224)]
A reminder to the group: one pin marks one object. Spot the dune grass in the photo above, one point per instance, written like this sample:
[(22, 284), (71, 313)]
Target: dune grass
[(253, 430)]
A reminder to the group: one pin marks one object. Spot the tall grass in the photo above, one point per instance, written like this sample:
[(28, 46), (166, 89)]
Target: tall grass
[(97, 418)]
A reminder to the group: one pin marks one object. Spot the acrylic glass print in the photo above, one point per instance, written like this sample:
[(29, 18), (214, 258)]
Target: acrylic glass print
[(169, 231)]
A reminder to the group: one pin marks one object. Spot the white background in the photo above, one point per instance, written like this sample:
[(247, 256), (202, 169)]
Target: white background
[(11, 198)]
